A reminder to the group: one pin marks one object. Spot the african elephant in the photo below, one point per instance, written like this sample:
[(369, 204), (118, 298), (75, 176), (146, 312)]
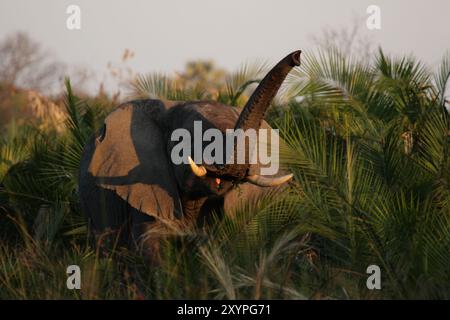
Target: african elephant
[(128, 184)]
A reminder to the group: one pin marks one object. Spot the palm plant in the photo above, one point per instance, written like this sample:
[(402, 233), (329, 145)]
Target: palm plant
[(39, 174), (369, 147), (231, 92)]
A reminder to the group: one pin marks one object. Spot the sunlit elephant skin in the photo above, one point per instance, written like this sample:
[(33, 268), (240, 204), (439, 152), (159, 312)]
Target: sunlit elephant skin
[(130, 190)]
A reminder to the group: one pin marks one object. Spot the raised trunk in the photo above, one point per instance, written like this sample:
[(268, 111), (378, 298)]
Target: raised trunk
[(254, 111)]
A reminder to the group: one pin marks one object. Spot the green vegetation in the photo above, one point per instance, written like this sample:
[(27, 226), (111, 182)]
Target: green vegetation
[(368, 142)]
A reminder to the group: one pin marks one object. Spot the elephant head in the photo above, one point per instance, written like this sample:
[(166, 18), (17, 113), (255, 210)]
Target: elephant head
[(131, 155), (217, 178)]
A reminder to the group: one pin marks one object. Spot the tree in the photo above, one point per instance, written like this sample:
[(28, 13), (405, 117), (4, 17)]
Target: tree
[(24, 64)]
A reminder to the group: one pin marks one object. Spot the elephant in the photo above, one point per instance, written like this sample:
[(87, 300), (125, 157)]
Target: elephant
[(133, 194)]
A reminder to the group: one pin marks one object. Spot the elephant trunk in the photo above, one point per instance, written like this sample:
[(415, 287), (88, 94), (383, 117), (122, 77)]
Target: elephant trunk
[(254, 111), (252, 116)]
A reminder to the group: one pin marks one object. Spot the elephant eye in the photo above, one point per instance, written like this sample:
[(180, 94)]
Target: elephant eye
[(102, 133)]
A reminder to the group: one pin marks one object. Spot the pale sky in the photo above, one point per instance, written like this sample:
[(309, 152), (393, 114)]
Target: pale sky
[(164, 34)]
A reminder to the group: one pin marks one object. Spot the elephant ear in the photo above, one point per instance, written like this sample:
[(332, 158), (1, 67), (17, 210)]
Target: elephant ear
[(130, 158)]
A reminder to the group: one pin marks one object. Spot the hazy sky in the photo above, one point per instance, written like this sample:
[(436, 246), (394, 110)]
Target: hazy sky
[(164, 34)]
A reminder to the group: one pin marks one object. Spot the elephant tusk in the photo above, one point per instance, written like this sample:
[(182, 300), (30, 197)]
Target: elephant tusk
[(199, 171), (268, 182)]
